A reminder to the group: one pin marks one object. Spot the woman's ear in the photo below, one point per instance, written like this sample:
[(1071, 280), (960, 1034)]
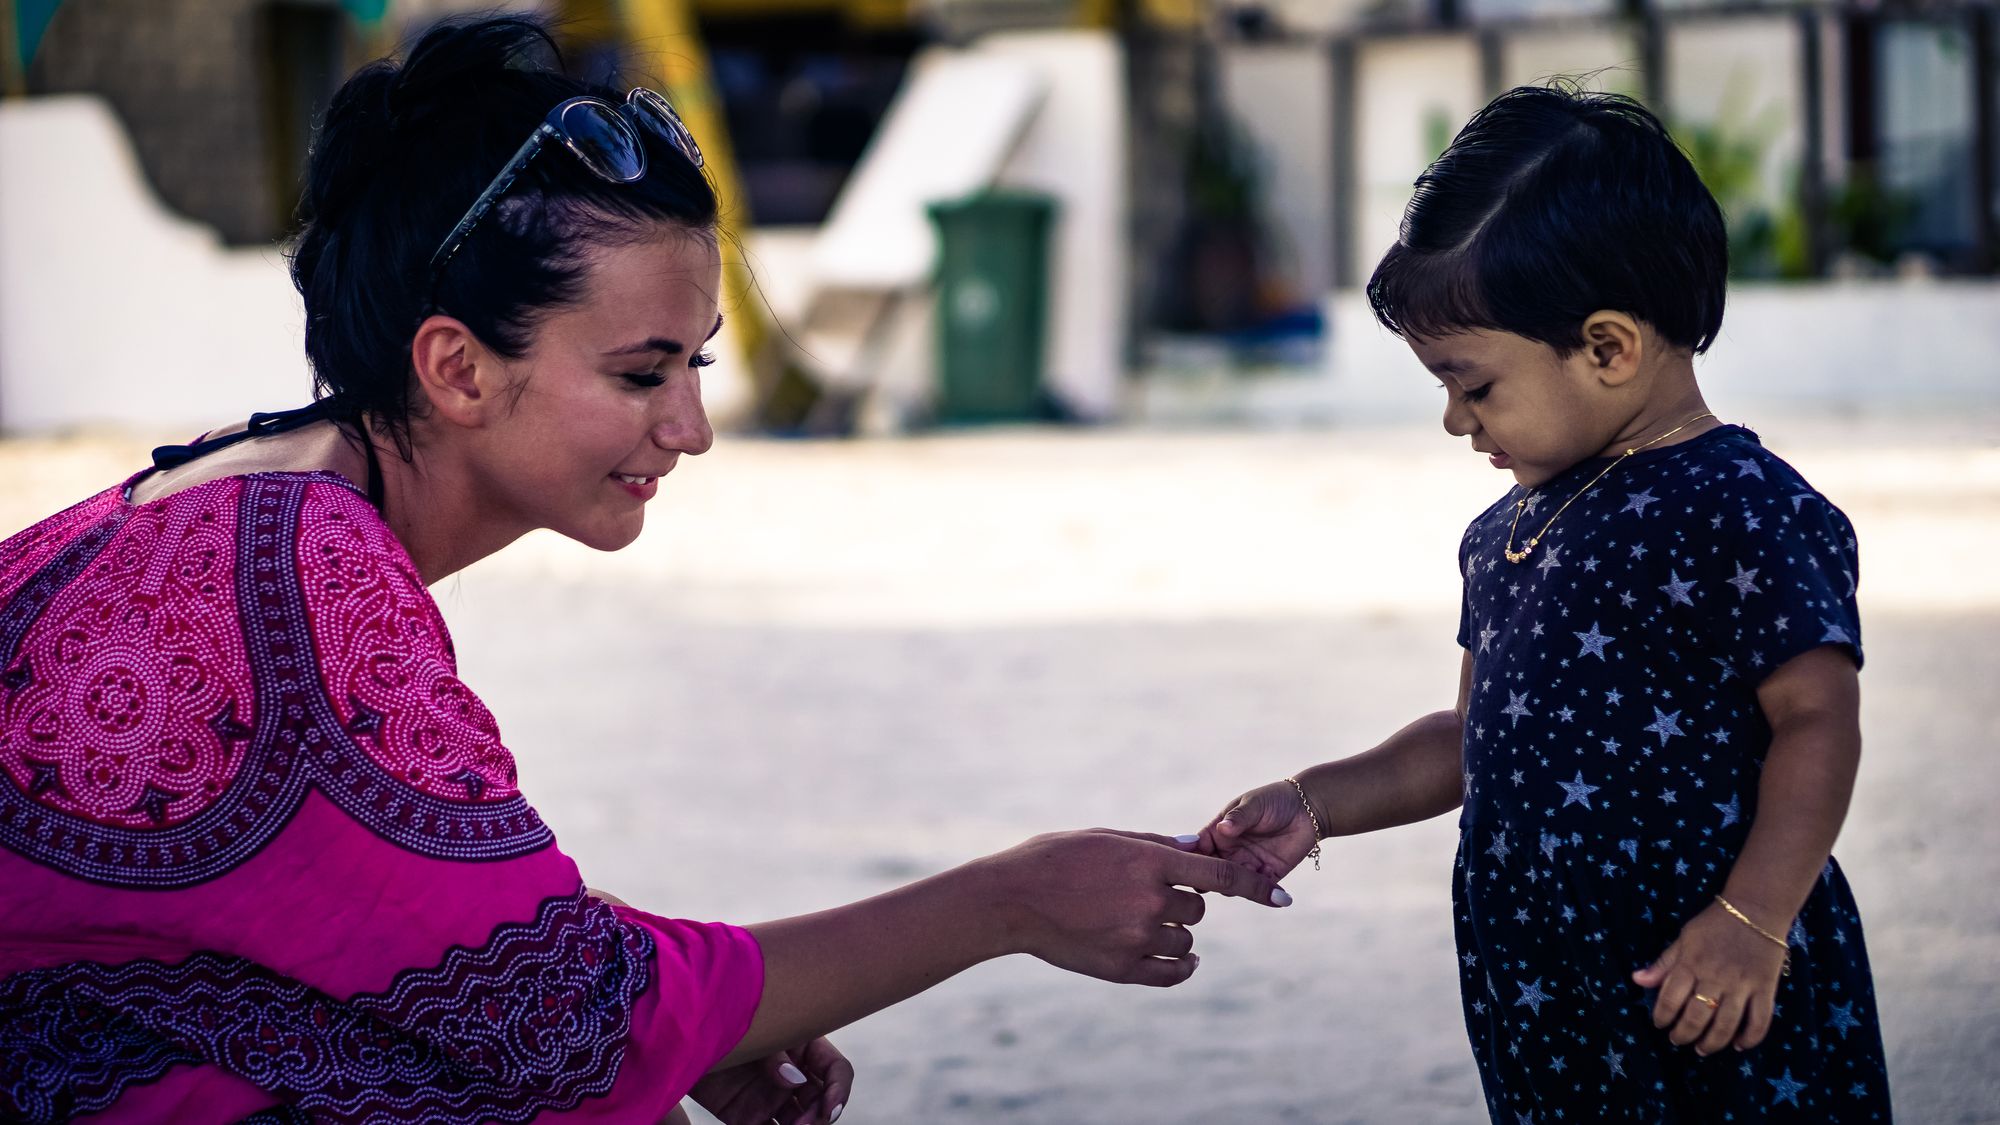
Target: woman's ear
[(1613, 346), (458, 378)]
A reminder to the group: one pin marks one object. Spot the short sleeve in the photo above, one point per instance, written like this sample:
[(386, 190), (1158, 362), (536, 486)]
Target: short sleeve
[(1779, 579)]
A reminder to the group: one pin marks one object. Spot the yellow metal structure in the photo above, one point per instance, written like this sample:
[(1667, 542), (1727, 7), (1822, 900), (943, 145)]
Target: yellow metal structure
[(665, 51), (858, 13)]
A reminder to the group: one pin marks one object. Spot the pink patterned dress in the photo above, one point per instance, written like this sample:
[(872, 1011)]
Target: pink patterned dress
[(263, 854)]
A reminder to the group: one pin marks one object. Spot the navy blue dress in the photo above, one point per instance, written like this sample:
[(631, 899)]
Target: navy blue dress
[(1612, 751)]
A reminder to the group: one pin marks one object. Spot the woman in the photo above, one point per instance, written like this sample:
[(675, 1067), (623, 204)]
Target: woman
[(264, 853)]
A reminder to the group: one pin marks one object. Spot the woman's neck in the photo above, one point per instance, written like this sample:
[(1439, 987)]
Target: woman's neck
[(440, 509)]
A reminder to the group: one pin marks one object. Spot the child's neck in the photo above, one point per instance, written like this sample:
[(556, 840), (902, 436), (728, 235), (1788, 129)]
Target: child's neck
[(1675, 401)]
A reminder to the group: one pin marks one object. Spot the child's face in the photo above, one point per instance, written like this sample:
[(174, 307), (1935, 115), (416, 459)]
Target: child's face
[(1532, 411)]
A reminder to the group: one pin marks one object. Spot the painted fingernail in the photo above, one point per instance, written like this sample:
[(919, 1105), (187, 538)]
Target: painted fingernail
[(835, 1115), (1189, 838), (1279, 897), (791, 1075)]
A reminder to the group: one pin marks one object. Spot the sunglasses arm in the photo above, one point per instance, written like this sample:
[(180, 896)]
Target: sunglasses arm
[(501, 183)]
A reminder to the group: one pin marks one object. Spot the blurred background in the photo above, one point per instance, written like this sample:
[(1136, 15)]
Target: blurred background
[(1067, 479)]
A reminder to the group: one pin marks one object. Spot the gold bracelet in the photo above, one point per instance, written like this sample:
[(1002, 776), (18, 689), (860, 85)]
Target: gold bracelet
[(1318, 835), (1767, 935)]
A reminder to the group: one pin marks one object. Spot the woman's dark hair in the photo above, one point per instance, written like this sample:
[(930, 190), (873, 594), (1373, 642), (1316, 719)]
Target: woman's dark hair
[(1552, 204), (404, 150)]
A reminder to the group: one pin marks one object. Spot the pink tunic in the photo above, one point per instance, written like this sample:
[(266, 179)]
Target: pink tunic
[(263, 853)]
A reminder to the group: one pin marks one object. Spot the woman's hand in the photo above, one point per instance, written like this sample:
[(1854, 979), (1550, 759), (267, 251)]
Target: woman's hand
[(1110, 905), (807, 1085), (1267, 830), (1105, 904), (1717, 983)]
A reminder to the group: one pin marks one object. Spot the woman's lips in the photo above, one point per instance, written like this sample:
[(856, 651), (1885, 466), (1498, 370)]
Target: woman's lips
[(1501, 461), (639, 488)]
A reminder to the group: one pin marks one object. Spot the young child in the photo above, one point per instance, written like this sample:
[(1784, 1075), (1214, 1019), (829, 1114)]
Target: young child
[(1656, 731)]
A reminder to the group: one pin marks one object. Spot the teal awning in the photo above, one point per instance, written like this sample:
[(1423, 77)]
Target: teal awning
[(31, 18)]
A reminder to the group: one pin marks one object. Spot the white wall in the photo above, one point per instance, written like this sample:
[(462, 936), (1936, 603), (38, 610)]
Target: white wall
[(1281, 94), (1407, 92), (1888, 347), (1074, 150), (1742, 75), (112, 309)]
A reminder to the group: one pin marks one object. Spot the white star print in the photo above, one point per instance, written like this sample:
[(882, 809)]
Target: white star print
[(1665, 725), (1517, 707), (1785, 1089), (1677, 590), (1532, 996), (1593, 643), (1745, 581), (1731, 812), (1637, 501), (1577, 792)]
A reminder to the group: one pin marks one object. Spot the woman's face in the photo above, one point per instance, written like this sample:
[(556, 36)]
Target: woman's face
[(608, 396)]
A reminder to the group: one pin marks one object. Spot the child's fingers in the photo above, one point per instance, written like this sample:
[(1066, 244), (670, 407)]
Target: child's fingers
[(1696, 1014), (1756, 1023), (1653, 975), (1676, 985), (1721, 1029)]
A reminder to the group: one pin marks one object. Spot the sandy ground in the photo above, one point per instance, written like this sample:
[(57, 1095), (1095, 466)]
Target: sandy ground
[(830, 668)]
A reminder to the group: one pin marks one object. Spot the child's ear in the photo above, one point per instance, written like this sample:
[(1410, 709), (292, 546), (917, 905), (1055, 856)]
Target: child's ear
[(1613, 346)]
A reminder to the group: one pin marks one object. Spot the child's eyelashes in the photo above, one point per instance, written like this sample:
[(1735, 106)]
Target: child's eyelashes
[(1475, 394)]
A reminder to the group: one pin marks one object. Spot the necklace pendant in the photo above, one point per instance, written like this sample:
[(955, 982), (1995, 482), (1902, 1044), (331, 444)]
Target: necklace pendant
[(1520, 555)]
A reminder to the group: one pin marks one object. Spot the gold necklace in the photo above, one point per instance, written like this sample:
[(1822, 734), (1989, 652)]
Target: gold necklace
[(1520, 505)]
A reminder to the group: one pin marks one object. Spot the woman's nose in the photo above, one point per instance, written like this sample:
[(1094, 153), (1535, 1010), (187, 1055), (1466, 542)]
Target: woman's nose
[(685, 428)]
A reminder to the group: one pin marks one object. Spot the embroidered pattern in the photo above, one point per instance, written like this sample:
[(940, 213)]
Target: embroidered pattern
[(388, 658), (536, 1019), (162, 712), (127, 702)]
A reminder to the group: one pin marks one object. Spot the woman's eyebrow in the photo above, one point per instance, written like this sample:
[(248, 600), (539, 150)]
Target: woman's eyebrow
[(662, 344), (650, 344)]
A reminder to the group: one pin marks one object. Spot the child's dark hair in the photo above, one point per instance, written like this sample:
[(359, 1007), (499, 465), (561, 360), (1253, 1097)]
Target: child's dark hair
[(1552, 204), (404, 150)]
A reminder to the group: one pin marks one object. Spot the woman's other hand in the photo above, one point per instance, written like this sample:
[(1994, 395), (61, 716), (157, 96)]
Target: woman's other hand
[(1267, 830), (1111, 905), (808, 1085)]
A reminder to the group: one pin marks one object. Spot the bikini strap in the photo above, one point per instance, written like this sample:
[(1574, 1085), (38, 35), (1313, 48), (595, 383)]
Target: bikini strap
[(263, 425)]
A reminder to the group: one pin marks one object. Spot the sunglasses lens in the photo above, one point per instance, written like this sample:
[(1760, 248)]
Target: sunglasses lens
[(658, 115), (603, 141)]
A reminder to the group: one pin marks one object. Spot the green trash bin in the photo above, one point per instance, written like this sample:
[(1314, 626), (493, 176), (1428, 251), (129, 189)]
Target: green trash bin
[(992, 305)]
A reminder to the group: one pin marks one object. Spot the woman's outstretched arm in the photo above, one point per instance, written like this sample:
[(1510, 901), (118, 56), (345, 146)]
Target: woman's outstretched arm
[(1102, 903)]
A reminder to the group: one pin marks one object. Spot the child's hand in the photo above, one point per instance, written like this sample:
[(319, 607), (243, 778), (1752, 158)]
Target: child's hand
[(1717, 958), (1266, 830)]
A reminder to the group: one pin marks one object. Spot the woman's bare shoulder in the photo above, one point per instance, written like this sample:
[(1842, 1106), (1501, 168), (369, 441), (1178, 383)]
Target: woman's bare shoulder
[(313, 448)]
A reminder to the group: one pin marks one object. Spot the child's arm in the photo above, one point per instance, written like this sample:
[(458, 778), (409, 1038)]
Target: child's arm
[(1813, 704), (1415, 774)]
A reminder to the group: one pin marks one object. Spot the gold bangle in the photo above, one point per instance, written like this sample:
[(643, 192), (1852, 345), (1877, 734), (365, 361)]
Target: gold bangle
[(1767, 935), (1318, 833)]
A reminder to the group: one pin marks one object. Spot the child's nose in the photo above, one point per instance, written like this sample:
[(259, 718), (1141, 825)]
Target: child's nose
[(1458, 419)]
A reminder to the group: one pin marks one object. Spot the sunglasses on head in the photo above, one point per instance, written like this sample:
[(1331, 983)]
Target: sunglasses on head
[(604, 138)]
